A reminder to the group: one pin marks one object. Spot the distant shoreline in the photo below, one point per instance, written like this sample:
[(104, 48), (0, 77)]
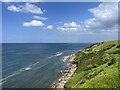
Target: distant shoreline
[(60, 82)]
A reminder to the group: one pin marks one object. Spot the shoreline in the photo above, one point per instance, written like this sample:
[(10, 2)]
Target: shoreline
[(60, 82)]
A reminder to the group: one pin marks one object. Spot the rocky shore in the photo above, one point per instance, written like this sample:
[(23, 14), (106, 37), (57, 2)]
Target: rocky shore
[(67, 74)]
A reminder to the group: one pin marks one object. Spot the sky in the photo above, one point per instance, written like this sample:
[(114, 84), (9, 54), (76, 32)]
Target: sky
[(59, 22)]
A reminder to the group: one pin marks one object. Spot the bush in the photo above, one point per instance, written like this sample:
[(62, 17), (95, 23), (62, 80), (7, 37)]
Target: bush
[(116, 52), (82, 82), (106, 57), (112, 61), (90, 66), (95, 65)]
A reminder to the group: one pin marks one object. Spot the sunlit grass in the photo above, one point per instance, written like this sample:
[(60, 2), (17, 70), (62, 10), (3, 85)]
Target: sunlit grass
[(97, 67)]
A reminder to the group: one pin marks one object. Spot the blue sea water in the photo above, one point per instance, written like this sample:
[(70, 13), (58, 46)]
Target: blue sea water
[(35, 65)]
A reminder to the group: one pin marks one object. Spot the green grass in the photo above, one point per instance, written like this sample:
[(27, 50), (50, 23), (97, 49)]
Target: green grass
[(97, 67)]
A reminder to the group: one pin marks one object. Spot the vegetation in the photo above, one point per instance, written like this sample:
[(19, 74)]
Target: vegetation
[(97, 67)]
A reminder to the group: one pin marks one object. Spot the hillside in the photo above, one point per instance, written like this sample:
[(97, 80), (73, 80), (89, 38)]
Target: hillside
[(97, 67)]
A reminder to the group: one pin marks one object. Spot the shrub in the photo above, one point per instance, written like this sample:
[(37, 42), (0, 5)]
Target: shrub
[(116, 52), (90, 66), (106, 57), (112, 61), (95, 65)]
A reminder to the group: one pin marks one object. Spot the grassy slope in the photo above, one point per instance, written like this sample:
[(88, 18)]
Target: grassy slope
[(97, 67)]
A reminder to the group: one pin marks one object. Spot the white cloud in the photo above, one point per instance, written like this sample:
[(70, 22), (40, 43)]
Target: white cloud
[(33, 23), (40, 18), (27, 8), (105, 18), (13, 8), (49, 27), (69, 26)]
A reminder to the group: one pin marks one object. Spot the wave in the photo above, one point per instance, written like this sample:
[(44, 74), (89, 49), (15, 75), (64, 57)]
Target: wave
[(56, 55), (27, 68), (67, 57)]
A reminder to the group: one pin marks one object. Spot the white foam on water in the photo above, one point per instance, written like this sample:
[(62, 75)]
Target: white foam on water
[(18, 72), (27, 68), (58, 54), (65, 58)]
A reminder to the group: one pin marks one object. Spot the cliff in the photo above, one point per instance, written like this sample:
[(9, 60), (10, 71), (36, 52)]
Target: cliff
[(97, 67)]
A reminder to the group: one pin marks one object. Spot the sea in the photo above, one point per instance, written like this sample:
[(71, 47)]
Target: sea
[(35, 65)]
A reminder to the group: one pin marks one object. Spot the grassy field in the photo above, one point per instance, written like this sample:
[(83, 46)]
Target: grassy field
[(97, 67)]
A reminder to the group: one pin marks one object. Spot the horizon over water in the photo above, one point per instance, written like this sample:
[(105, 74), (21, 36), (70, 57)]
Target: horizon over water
[(35, 65)]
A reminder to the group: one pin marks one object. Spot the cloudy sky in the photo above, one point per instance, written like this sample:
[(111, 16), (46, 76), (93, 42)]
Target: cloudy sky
[(50, 22)]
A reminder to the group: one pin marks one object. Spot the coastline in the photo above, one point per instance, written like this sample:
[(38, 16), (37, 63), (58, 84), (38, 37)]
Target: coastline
[(60, 82)]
